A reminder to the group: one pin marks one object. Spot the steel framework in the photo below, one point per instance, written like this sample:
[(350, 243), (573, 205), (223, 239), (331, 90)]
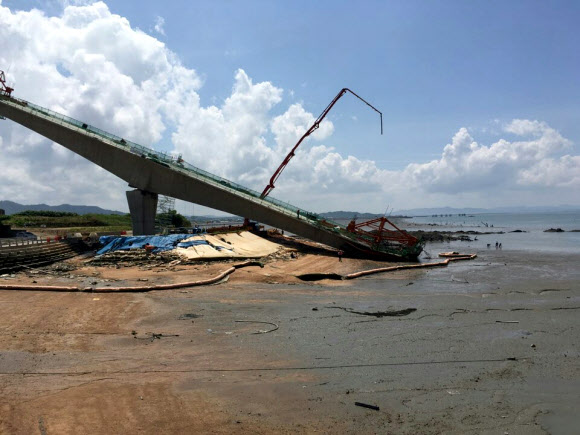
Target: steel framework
[(381, 231)]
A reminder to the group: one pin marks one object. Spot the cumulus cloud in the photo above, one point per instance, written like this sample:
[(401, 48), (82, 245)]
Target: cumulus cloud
[(94, 66), (466, 165), (290, 126), (229, 140), (159, 25), (562, 172), (65, 3)]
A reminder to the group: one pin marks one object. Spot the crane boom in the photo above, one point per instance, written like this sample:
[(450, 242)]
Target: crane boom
[(311, 130)]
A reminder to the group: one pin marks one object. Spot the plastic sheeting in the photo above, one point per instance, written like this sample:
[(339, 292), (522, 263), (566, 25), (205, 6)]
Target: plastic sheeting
[(227, 245), (189, 243), (161, 243), (207, 246)]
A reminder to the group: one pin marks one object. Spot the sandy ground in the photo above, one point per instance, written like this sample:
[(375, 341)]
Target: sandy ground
[(491, 347)]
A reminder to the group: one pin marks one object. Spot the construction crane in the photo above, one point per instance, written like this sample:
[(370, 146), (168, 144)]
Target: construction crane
[(311, 130), (4, 88)]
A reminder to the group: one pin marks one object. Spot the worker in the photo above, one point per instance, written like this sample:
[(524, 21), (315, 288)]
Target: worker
[(148, 248), (340, 254)]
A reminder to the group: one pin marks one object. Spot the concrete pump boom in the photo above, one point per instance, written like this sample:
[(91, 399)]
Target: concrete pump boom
[(311, 130)]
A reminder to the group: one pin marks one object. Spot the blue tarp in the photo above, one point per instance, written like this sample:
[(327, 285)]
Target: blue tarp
[(201, 242), (192, 243), (161, 243)]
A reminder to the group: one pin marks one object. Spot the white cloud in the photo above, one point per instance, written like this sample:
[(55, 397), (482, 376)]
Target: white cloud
[(159, 24), (289, 127), (468, 166), (92, 65), (229, 140), (65, 3), (562, 172)]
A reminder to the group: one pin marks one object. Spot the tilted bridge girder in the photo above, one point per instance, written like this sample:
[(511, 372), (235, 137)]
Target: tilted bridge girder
[(158, 173)]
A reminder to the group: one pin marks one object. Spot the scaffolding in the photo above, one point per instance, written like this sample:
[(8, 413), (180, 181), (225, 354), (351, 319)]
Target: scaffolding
[(165, 205)]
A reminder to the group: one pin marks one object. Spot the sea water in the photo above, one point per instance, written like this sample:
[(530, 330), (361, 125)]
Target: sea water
[(532, 226), (546, 258), (502, 221)]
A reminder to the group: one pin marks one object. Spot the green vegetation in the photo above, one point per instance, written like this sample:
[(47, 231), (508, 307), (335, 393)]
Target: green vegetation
[(46, 213), (74, 222), (51, 219), (172, 218)]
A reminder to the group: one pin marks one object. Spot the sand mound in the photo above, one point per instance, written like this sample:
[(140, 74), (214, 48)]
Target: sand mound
[(232, 245)]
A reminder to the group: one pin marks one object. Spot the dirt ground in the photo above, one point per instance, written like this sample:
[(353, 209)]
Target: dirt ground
[(477, 347)]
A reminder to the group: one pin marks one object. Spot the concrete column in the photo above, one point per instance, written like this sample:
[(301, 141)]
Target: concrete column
[(142, 206)]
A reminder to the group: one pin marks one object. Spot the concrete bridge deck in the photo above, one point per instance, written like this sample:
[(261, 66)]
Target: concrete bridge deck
[(152, 173)]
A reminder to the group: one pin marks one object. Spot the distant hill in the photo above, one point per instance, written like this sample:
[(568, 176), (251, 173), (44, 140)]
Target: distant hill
[(10, 207)]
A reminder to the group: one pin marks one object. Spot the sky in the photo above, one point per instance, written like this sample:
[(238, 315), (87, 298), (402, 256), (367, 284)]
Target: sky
[(480, 100)]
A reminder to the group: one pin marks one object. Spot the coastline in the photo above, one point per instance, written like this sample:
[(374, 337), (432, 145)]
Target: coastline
[(491, 345)]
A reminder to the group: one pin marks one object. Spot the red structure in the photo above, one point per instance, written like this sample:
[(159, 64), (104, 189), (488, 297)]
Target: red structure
[(311, 130), (381, 231), (4, 88)]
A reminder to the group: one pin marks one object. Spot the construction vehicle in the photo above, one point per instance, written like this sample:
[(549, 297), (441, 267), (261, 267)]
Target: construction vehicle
[(311, 130), (380, 235)]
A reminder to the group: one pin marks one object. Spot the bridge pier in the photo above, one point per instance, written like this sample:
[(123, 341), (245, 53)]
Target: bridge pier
[(142, 206)]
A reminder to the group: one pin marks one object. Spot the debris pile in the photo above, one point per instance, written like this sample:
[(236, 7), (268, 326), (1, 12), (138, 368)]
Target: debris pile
[(134, 258)]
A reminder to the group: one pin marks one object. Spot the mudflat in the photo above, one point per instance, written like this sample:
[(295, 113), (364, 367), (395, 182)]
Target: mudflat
[(489, 345)]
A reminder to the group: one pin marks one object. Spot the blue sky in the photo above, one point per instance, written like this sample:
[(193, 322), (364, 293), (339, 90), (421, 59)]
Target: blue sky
[(432, 68)]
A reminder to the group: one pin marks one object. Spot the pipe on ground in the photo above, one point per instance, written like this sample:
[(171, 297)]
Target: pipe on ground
[(137, 289), (409, 266)]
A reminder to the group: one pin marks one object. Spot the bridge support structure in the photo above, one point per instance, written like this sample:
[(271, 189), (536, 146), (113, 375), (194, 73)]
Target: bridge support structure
[(142, 206)]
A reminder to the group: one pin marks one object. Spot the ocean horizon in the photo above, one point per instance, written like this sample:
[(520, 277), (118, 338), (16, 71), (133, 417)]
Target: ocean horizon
[(515, 231)]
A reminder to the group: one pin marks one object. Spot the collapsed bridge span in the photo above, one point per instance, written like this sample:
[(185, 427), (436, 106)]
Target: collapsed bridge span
[(151, 173)]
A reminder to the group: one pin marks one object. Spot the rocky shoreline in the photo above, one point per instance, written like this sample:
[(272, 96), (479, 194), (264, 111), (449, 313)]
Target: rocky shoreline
[(465, 236)]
